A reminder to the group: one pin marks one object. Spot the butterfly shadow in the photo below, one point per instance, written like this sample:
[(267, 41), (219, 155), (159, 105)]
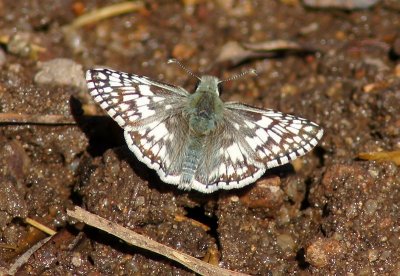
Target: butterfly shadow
[(104, 133), (154, 182), (101, 130)]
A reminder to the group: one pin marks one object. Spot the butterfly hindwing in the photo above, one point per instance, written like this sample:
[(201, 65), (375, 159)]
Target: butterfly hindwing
[(160, 148), (251, 140), (151, 115), (227, 162)]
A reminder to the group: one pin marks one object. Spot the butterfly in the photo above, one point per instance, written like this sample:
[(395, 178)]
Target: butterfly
[(195, 140)]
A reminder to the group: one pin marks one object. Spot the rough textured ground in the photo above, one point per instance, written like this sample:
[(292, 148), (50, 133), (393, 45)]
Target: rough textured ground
[(327, 213)]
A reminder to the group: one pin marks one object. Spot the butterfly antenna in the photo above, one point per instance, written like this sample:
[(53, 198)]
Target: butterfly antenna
[(172, 60), (241, 75)]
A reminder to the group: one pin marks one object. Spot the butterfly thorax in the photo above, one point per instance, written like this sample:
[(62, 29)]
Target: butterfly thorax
[(205, 108)]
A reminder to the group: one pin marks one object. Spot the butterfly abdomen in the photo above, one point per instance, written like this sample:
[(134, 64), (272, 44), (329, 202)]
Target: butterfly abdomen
[(191, 161)]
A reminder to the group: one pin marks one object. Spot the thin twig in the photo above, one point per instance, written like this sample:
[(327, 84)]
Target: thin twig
[(8, 246), (393, 156), (103, 13), (5, 39), (141, 241), (25, 257), (14, 118), (40, 226)]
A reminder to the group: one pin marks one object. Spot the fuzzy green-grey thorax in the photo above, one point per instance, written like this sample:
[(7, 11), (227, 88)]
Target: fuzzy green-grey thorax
[(205, 108)]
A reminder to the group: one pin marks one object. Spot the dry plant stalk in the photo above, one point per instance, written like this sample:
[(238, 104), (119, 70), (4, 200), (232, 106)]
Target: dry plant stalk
[(40, 226), (14, 118), (393, 156), (21, 260), (144, 242), (103, 13)]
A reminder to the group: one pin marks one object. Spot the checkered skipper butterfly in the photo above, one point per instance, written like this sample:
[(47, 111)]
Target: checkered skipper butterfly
[(196, 141)]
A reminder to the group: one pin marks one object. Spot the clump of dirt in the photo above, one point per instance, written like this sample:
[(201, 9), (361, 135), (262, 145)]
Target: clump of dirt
[(357, 218)]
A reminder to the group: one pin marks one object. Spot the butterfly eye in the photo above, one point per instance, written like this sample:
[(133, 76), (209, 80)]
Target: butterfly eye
[(220, 88), (197, 84)]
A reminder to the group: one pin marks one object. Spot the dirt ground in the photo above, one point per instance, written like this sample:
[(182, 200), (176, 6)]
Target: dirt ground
[(328, 213)]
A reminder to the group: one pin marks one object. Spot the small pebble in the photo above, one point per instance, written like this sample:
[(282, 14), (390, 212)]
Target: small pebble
[(20, 44), (61, 71), (139, 201), (371, 206), (321, 252), (373, 255), (183, 51), (76, 259), (3, 58), (286, 242), (397, 70)]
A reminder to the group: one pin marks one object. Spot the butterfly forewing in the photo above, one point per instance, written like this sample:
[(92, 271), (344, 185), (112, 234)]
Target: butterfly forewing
[(274, 137), (150, 113), (133, 101)]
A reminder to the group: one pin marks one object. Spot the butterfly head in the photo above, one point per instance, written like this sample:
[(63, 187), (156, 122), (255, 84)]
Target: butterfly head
[(209, 84)]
